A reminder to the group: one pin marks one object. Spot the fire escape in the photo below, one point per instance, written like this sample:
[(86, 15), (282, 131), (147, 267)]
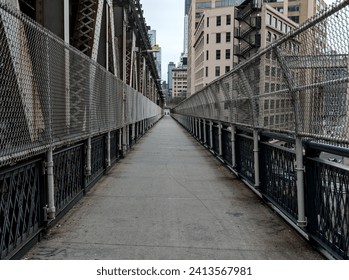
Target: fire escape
[(248, 30)]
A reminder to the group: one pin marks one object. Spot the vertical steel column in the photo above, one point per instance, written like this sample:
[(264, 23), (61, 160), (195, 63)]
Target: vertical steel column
[(108, 150), (133, 133), (233, 146), (124, 139), (205, 140), (256, 158), (120, 141), (196, 127), (211, 134), (88, 157), (51, 210), (199, 129), (220, 148), (302, 220), (191, 125)]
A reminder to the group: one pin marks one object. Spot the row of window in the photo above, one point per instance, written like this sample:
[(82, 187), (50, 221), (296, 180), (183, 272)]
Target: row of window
[(279, 24), (219, 20), (217, 70), (218, 54), (219, 38)]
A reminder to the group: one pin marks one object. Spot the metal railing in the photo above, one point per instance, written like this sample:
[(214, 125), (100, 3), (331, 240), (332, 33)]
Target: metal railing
[(64, 120), (52, 94), (285, 113)]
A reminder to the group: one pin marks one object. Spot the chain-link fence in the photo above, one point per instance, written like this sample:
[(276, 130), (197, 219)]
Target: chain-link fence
[(298, 84), (51, 94)]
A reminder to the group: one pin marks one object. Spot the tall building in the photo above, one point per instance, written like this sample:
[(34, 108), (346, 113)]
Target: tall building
[(202, 22), (213, 48), (298, 10), (187, 7), (171, 66), (157, 49), (186, 34), (179, 82)]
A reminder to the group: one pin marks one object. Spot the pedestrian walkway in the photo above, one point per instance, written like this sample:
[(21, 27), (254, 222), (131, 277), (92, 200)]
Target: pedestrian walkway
[(169, 198)]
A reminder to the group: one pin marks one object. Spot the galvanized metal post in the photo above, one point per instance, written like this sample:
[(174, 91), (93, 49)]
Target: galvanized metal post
[(108, 149), (205, 140), (199, 129), (233, 146), (51, 210), (211, 134), (88, 157), (256, 158), (196, 127), (191, 125), (302, 220), (127, 143), (220, 146)]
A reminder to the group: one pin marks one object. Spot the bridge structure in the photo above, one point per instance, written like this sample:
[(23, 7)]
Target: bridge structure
[(79, 87)]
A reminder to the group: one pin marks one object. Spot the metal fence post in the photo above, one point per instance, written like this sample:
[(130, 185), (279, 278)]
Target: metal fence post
[(200, 130), (211, 134), (124, 140), (88, 157), (233, 143), (256, 158), (204, 122), (51, 210), (196, 127), (220, 147), (302, 220), (108, 150)]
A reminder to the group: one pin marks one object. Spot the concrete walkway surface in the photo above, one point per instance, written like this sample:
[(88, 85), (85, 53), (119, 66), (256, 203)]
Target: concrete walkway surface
[(169, 198)]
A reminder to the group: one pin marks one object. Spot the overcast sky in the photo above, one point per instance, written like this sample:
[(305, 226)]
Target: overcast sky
[(167, 18)]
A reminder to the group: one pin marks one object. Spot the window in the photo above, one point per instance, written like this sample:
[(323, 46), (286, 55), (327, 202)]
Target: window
[(206, 55), (208, 22), (218, 37), (217, 71), (268, 19), (274, 22), (227, 69), (207, 38), (206, 71), (268, 36), (228, 19), (218, 20), (294, 18), (267, 89), (203, 5), (228, 37), (218, 54), (267, 71), (227, 54), (293, 8)]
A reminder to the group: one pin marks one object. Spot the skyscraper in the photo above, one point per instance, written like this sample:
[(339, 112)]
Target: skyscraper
[(171, 66), (210, 41), (157, 54), (187, 7)]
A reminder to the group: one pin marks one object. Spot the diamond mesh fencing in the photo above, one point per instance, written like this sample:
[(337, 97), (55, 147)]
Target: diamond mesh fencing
[(298, 84), (52, 95)]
